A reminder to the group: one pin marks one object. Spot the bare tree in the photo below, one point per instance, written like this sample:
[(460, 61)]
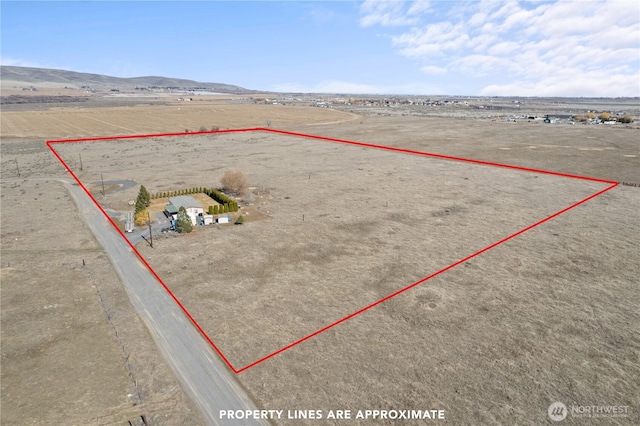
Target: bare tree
[(235, 182)]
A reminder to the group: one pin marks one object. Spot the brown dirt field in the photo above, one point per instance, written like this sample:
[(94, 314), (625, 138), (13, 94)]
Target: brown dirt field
[(178, 117), (549, 316)]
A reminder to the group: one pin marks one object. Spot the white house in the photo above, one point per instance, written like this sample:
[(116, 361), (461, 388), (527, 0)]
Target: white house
[(190, 204)]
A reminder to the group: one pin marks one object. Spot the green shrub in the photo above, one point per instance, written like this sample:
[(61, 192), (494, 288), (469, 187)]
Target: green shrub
[(183, 224)]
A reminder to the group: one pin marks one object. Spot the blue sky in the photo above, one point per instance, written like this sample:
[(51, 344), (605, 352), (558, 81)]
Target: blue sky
[(524, 48)]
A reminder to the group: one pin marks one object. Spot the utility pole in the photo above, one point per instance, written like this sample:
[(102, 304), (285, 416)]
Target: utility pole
[(150, 234), (17, 168), (80, 161), (102, 179)]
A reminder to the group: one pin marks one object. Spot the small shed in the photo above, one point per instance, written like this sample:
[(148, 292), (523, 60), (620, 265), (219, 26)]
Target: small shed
[(205, 219), (224, 219)]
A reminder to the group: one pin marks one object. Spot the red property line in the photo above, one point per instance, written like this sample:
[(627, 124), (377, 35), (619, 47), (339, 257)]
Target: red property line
[(142, 259), (49, 143)]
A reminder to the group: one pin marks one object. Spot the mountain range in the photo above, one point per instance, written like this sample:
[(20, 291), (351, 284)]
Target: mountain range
[(43, 77)]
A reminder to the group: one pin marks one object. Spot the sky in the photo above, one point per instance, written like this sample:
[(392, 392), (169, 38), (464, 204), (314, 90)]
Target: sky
[(587, 48)]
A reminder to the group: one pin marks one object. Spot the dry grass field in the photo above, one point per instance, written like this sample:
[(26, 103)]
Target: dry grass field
[(349, 226), (73, 352), (59, 123), (548, 316)]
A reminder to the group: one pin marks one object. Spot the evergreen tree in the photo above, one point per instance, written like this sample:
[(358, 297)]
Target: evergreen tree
[(143, 200), (140, 205), (215, 209), (183, 224), (145, 195)]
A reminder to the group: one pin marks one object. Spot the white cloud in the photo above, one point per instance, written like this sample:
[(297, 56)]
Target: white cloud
[(503, 48), (595, 84), (433, 70), (433, 40), (481, 65), (392, 13), (531, 48), (419, 7)]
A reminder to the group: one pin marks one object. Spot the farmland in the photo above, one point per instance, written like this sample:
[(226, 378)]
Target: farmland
[(58, 123), (548, 316)]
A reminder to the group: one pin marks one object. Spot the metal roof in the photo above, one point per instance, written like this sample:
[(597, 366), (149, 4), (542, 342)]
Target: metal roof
[(184, 201), (171, 209)]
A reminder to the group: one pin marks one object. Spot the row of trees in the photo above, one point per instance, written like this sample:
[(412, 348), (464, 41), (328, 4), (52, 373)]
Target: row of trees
[(227, 204), (223, 208), (187, 191), (233, 182)]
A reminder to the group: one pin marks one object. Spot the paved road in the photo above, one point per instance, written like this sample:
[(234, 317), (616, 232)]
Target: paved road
[(141, 233), (204, 376)]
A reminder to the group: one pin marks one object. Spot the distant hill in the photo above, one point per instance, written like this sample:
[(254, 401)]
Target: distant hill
[(43, 77)]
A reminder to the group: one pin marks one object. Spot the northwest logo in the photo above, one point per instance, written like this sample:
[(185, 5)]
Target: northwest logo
[(557, 411)]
